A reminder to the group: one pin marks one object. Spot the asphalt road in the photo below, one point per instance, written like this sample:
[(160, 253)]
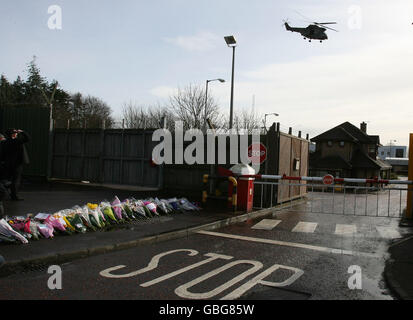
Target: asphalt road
[(291, 255)]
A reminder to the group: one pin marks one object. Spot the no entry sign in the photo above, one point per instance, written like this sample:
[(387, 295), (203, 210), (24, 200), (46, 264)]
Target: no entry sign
[(328, 180), (259, 154)]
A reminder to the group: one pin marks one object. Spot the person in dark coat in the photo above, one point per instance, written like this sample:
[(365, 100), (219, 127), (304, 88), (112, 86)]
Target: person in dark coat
[(15, 156)]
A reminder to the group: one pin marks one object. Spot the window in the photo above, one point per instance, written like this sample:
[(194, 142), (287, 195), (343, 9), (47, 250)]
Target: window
[(342, 144), (330, 143), (382, 153), (399, 153)]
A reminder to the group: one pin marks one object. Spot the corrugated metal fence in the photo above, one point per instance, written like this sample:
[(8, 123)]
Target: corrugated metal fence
[(105, 156)]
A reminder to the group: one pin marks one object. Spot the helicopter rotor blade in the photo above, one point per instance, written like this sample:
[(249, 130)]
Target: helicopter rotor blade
[(303, 16), (330, 28), (323, 25), (325, 22)]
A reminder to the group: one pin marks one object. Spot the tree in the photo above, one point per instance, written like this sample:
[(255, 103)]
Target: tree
[(134, 116), (6, 90), (18, 96), (35, 85), (140, 117), (188, 105), (89, 112), (248, 120), (37, 91), (244, 120)]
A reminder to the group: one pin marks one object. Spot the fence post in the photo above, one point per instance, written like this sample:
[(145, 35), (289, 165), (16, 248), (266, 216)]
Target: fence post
[(51, 144), (409, 211)]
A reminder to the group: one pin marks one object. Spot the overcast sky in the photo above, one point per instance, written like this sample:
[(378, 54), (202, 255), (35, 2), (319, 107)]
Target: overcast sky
[(142, 50)]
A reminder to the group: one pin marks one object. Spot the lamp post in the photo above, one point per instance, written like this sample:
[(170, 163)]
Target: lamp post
[(265, 118), (206, 100), (391, 141), (232, 43)]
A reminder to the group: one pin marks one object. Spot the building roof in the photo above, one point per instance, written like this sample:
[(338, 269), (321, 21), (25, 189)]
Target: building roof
[(347, 132), (331, 162), (362, 160), (397, 161), (376, 139)]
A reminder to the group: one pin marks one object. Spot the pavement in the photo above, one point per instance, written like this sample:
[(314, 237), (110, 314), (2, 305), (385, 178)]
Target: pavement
[(38, 255), (399, 269)]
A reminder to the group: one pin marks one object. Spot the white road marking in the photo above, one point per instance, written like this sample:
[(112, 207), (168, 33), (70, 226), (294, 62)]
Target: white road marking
[(388, 233), (153, 264), (183, 292), (305, 227), (345, 229), (291, 244), (212, 256), (259, 279), (266, 224)]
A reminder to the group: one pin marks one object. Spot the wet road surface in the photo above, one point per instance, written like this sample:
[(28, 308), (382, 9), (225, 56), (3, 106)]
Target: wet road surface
[(290, 255)]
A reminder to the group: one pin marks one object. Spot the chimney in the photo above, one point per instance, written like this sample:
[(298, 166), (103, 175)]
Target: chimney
[(363, 127)]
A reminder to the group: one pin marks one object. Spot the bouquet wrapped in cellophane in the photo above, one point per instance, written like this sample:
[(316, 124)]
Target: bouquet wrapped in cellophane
[(128, 208), (95, 216), (7, 231), (138, 208), (107, 211), (73, 220), (120, 213)]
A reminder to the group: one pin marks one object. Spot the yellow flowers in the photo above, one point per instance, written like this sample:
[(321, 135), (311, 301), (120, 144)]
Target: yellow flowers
[(92, 206), (68, 224)]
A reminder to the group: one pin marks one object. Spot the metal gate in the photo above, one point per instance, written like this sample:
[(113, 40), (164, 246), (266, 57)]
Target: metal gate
[(357, 197)]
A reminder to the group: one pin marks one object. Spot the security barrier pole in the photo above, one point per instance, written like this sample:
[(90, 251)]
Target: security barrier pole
[(409, 212), (234, 198), (205, 191)]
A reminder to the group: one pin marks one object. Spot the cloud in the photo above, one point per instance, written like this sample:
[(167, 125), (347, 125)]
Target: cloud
[(201, 42), (163, 92)]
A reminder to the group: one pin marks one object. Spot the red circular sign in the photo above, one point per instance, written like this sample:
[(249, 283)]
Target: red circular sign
[(259, 155), (328, 179)]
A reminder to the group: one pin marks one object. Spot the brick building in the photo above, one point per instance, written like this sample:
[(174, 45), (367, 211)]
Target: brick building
[(348, 152)]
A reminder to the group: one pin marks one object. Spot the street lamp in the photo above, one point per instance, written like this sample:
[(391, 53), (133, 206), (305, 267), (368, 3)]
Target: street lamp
[(391, 141), (206, 100), (232, 43), (265, 118)]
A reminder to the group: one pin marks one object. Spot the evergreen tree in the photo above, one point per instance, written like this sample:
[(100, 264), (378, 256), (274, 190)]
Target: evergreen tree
[(6, 91), (37, 91), (18, 92)]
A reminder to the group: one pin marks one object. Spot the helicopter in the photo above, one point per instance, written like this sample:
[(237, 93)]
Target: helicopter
[(315, 31)]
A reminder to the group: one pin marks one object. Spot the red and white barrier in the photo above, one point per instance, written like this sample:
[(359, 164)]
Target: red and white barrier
[(333, 180)]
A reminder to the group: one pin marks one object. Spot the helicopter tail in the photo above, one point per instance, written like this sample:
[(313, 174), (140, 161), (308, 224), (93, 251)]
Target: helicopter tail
[(287, 26)]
